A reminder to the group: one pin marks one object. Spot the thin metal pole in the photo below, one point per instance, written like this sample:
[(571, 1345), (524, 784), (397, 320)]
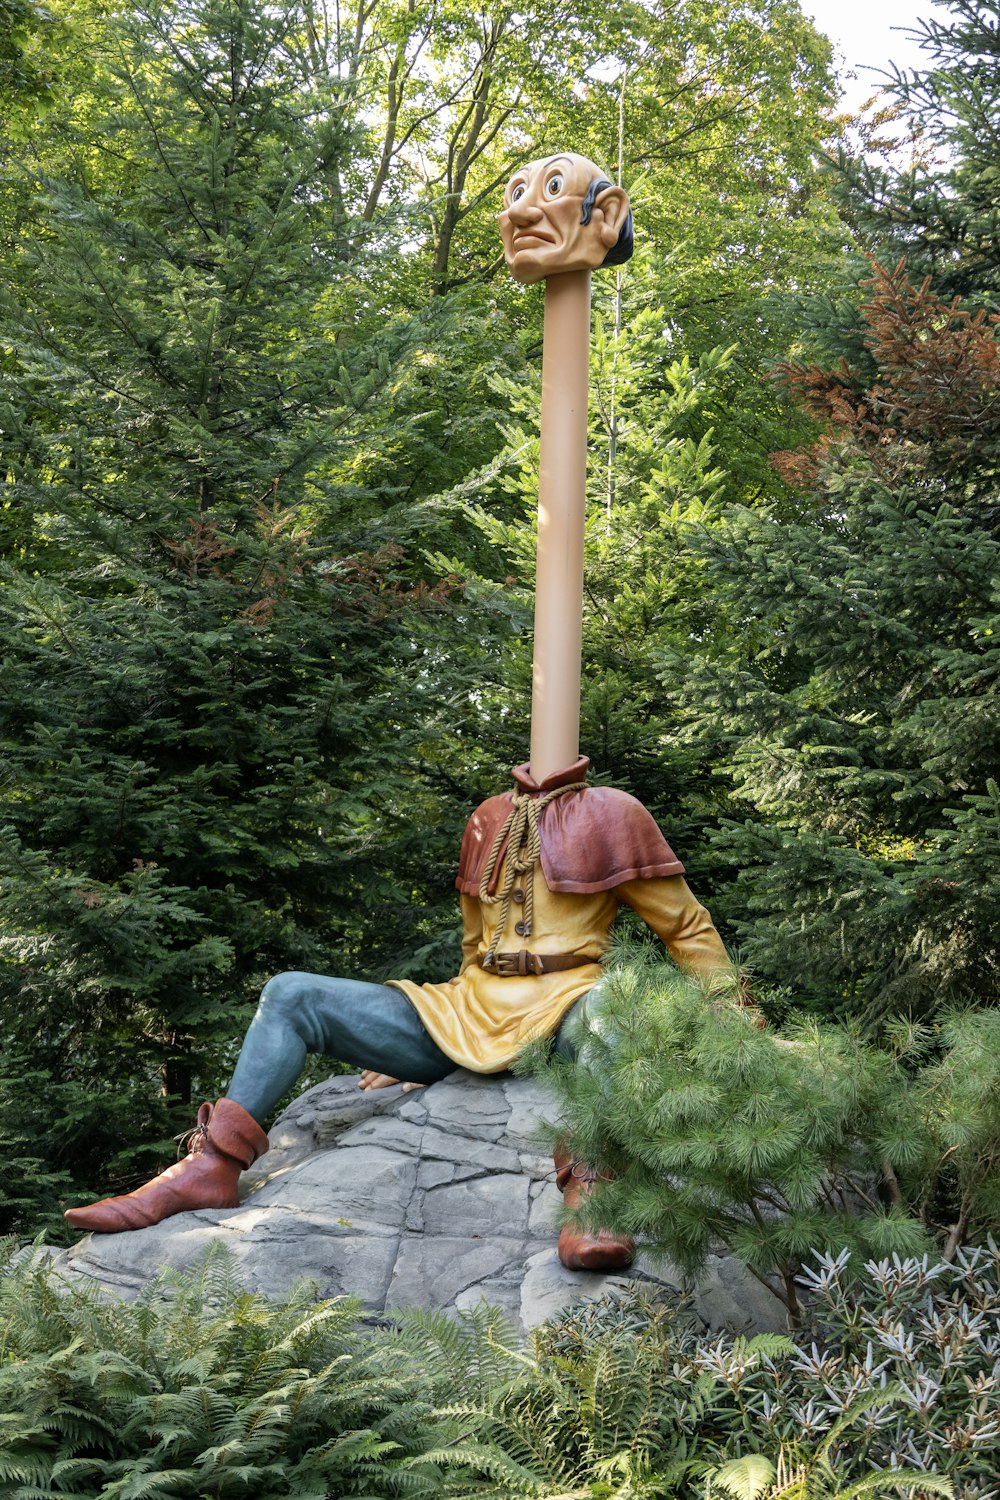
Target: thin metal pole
[(619, 284)]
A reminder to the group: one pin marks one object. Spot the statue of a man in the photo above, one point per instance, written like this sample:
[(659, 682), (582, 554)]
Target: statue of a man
[(543, 870)]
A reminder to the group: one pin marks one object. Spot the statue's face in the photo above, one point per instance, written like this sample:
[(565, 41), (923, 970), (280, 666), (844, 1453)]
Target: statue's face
[(542, 226)]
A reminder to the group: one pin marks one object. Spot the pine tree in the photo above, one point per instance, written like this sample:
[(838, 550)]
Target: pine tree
[(864, 709), (218, 637), (712, 1132), (860, 687), (940, 208)]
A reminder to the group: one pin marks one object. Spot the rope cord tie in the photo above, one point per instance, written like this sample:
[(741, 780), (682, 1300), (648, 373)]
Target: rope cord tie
[(190, 1142), (524, 849)]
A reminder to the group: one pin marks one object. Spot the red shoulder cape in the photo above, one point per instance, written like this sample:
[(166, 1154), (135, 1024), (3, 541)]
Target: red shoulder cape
[(591, 840)]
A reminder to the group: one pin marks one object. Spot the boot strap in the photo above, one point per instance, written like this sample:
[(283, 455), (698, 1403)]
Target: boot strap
[(568, 1169)]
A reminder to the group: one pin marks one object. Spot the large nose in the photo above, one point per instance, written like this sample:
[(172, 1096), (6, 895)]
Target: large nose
[(524, 212)]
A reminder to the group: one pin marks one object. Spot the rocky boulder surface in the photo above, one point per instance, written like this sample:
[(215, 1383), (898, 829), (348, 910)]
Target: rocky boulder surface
[(437, 1198)]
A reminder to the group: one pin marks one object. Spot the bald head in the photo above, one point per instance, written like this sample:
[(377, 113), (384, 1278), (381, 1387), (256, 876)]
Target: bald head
[(561, 214)]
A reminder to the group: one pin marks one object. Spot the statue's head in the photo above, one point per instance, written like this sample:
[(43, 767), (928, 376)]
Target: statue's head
[(562, 214)]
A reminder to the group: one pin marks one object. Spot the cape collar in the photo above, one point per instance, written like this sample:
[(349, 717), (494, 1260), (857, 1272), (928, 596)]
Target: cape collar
[(525, 782)]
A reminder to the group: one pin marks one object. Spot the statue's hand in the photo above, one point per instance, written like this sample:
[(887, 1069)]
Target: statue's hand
[(371, 1080)]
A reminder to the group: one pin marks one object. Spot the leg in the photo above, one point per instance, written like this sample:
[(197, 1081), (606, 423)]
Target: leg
[(569, 1038), (298, 1013), (370, 1025), (578, 1249)]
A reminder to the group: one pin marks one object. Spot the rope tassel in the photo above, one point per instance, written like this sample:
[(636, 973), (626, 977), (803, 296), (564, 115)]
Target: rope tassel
[(524, 849)]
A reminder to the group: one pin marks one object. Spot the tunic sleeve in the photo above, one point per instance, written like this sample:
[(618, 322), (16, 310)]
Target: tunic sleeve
[(472, 930), (680, 921)]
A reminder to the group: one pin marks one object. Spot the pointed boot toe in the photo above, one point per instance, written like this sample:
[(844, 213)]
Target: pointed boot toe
[(224, 1142), (602, 1251)]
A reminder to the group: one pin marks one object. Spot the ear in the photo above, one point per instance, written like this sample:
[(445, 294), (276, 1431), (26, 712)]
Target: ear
[(614, 205)]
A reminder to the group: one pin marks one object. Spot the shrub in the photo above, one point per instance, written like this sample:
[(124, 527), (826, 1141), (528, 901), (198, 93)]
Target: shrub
[(199, 1389), (718, 1134), (898, 1373), (596, 1421)]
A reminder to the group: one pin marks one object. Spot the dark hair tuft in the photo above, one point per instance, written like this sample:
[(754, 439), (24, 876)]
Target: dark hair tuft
[(621, 251)]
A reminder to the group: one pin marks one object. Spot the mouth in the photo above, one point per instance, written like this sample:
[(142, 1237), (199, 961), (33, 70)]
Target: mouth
[(525, 237)]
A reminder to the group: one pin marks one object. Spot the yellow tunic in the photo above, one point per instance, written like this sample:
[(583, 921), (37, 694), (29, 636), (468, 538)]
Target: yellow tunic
[(482, 1020)]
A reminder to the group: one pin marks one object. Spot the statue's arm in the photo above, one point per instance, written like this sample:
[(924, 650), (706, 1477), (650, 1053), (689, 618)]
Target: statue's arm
[(687, 931), (683, 925)]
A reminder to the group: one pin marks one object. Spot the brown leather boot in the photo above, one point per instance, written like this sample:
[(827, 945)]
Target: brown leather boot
[(224, 1142), (578, 1250)]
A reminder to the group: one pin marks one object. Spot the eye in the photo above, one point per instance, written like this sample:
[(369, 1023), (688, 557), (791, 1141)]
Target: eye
[(554, 185), (517, 191)]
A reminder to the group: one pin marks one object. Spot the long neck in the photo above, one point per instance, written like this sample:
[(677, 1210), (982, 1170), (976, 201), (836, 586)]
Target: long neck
[(555, 685)]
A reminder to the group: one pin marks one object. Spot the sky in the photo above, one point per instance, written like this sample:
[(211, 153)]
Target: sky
[(866, 36)]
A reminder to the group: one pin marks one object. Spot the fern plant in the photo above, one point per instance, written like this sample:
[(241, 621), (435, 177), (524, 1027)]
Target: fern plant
[(572, 1417), (755, 1477), (199, 1390)]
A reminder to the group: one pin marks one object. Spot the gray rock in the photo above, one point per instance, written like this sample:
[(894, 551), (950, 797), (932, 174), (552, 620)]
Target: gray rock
[(727, 1296), (471, 1103), (441, 1199), (526, 1123), (546, 1206), (495, 1204), (547, 1287), (433, 1270)]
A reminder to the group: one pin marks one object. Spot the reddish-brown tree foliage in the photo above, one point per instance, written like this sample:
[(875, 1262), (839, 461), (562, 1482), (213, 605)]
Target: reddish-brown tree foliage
[(932, 401)]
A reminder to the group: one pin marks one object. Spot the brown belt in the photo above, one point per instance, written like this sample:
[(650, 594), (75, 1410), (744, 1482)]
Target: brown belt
[(520, 965)]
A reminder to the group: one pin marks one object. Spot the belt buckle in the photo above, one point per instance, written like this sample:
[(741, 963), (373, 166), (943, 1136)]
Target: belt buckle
[(517, 965)]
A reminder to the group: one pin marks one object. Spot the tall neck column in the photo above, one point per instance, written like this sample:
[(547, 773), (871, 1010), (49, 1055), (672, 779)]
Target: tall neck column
[(562, 487)]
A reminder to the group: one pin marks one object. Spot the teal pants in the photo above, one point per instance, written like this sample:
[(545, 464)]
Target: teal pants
[(367, 1025)]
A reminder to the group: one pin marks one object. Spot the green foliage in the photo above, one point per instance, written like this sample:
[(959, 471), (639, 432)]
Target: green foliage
[(718, 1133), (24, 71), (891, 1386), (889, 1391), (593, 1425), (860, 706), (199, 1389), (220, 645), (51, 1122), (756, 1478), (934, 202), (32, 1194)]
